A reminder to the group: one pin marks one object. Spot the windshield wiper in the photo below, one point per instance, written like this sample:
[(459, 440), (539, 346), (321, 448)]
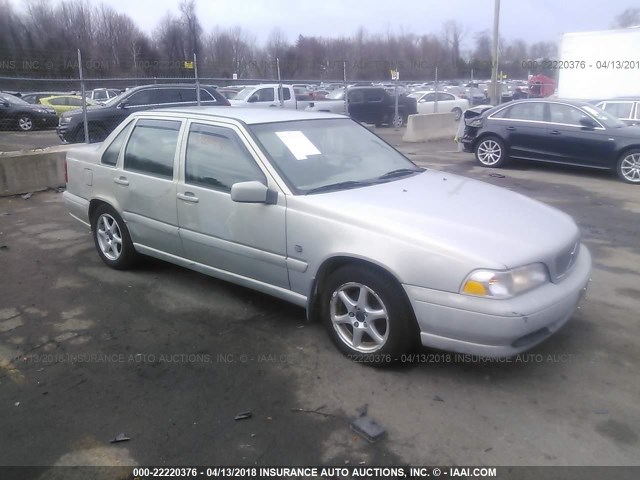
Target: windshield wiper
[(339, 186), (401, 172)]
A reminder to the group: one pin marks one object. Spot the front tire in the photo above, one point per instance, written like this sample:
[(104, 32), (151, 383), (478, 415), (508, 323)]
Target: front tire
[(628, 167), (367, 315), (491, 152), (25, 123), (397, 121), (457, 113), (112, 239)]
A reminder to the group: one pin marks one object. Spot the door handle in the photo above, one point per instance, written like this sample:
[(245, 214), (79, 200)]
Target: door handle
[(188, 197), (121, 180), (511, 129), (554, 132)]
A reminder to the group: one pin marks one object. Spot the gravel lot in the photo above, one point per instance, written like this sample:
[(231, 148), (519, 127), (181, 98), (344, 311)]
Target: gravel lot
[(169, 357)]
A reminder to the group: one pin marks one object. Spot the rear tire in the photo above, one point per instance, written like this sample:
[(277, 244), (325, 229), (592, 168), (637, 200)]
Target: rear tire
[(457, 113), (112, 239), (367, 316), (628, 167), (491, 152), (397, 121)]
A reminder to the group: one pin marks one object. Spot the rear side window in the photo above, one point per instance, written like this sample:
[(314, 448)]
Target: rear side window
[(216, 158), (286, 94), (356, 97), (110, 155), (58, 101), (532, 111), (565, 114), (74, 102), (152, 147)]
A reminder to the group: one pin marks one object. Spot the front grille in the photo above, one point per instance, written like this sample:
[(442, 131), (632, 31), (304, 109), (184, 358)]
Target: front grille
[(565, 261)]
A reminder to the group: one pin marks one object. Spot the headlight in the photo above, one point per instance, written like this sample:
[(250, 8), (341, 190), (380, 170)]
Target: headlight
[(505, 283), (39, 110), (65, 119)]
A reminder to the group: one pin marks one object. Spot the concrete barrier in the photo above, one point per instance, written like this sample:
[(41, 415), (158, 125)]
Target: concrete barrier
[(32, 170), (430, 126)]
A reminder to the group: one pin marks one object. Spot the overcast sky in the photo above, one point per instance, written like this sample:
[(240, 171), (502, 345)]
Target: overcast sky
[(530, 20)]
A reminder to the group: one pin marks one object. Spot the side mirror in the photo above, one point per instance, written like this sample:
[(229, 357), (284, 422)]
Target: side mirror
[(253, 192), (422, 100), (253, 99), (123, 104), (588, 123), (4, 103)]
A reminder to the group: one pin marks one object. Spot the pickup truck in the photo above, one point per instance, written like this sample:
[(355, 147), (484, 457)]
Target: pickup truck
[(267, 95), (368, 105)]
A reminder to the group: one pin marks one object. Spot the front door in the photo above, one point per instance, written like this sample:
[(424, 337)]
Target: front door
[(240, 238)]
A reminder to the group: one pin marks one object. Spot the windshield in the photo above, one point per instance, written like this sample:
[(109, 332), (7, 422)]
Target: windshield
[(244, 94), (603, 117), (337, 94), (114, 100), (315, 153), (13, 100)]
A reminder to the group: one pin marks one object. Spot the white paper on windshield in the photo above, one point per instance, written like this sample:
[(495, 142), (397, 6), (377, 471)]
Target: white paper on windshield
[(298, 144)]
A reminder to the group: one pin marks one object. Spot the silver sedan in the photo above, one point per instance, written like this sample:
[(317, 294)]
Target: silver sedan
[(319, 211)]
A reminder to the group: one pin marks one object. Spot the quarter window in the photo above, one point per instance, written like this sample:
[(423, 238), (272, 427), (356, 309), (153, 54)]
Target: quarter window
[(152, 147), (216, 158), (110, 155)]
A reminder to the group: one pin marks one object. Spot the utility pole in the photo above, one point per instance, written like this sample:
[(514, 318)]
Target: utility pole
[(495, 100)]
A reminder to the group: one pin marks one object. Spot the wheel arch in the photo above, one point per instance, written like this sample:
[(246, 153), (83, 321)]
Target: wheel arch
[(484, 135), (330, 265)]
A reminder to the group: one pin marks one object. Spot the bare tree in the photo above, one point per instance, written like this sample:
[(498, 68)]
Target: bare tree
[(628, 18)]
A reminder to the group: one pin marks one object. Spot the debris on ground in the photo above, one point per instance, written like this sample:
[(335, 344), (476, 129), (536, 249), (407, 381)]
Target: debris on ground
[(243, 415), (368, 428), (17, 404), (438, 398), (601, 411), (315, 410), (121, 437), (27, 196), (4, 247), (497, 175), (363, 409)]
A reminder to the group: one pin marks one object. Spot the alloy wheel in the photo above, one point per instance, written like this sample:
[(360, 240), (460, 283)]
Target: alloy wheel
[(109, 237), (630, 168), (489, 152)]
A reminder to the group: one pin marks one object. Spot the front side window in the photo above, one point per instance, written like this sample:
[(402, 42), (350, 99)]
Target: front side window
[(110, 155), (264, 95), (565, 114), (216, 158), (74, 102), (140, 98), (152, 147), (445, 97), (58, 101), (356, 97), (429, 97)]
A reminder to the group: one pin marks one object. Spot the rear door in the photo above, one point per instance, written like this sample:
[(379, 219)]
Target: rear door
[(145, 184), (523, 126), (239, 238)]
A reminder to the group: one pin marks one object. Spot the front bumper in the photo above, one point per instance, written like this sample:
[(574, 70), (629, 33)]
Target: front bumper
[(498, 328), (64, 132)]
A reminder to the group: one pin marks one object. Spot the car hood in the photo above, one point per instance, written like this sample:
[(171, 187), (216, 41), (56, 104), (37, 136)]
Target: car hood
[(78, 111), (468, 218)]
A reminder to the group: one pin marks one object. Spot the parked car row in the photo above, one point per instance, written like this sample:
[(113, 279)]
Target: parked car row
[(15, 113)]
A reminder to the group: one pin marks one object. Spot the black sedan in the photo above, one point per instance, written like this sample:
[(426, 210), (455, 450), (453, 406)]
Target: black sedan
[(554, 131), (16, 113)]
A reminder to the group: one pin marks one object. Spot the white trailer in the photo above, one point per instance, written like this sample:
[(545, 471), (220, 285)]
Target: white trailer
[(600, 65)]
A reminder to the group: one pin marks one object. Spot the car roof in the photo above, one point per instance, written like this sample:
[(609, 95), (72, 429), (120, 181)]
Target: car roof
[(576, 103), (250, 116)]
